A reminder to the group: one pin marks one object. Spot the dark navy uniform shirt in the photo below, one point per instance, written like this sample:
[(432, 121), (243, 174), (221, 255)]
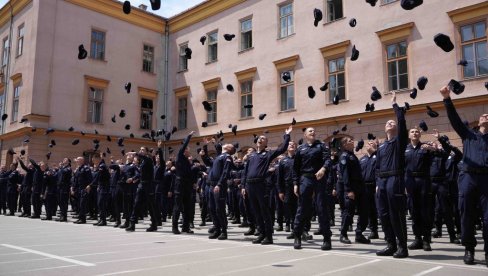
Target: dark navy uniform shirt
[(309, 159), (368, 168), (350, 171)]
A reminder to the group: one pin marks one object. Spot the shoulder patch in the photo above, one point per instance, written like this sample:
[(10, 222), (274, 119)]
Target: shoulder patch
[(343, 161)]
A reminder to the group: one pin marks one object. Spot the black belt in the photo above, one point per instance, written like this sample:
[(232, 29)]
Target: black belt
[(255, 180), (475, 170), (370, 183), (386, 174), (310, 175), (437, 178), (419, 174)]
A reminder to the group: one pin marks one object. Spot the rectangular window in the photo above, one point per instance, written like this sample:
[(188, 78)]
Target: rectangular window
[(337, 80), (182, 112), (474, 49), (212, 46), (397, 66), (183, 59), (287, 91), (286, 20), (212, 100), (5, 52), (246, 98), (97, 50), (15, 103), (95, 104), (148, 59), (334, 10), (246, 34), (20, 40), (146, 113)]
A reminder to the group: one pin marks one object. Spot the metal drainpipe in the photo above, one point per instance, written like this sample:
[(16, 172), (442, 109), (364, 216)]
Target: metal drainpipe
[(7, 73), (165, 79)]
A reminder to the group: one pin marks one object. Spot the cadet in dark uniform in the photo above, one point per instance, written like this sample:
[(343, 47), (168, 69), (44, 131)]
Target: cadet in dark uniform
[(285, 187), (254, 179), (472, 178), (14, 179), (64, 182), (368, 169), (158, 177), (101, 180), (3, 189), (168, 181), (82, 180), (50, 192), (390, 193), (310, 167), (26, 188), (129, 175), (418, 158), (116, 194), (37, 187)]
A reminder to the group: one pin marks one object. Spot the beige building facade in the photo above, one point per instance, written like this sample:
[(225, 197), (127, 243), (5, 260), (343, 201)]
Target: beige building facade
[(49, 86)]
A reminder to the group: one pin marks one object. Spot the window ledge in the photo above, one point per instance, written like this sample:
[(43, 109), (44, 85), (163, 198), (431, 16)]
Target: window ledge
[(386, 4), (245, 50), (285, 37), (99, 60), (182, 71), (474, 78), (340, 101), (149, 73), (399, 91), (246, 118), (333, 21), (210, 62), (212, 124), (288, 111)]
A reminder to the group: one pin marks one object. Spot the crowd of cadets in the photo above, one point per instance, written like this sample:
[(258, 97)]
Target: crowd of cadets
[(279, 190)]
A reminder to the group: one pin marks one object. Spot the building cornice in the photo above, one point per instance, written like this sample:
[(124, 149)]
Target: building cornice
[(147, 93), (17, 7), (469, 12), (211, 84), (286, 63), (182, 91), (396, 32), (246, 74), (113, 9), (335, 49)]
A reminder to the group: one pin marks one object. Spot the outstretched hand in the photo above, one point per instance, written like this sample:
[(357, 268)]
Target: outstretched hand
[(393, 97), (436, 133), (445, 92), (289, 129)]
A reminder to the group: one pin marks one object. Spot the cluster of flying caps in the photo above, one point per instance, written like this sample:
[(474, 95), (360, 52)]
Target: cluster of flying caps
[(375, 95), (369, 107), (456, 87), (317, 15), (411, 4), (444, 42), (229, 37)]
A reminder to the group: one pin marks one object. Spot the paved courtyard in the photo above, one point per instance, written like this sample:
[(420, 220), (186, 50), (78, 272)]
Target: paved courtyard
[(32, 247)]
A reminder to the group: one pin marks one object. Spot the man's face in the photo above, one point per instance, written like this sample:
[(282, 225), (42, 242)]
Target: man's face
[(292, 146), (309, 133), (143, 151), (262, 141), (348, 144), (391, 126), (483, 120), (414, 134), (371, 146)]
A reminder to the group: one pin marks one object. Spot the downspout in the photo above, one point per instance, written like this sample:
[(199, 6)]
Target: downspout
[(165, 78)]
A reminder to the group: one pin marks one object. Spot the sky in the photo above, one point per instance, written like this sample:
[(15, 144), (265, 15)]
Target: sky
[(168, 7)]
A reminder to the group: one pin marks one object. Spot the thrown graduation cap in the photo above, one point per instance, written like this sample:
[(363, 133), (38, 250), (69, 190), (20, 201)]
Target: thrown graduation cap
[(352, 22), (303, 129), (236, 145), (49, 130), (122, 151), (311, 92), (431, 112), (286, 76), (167, 136), (344, 128), (335, 100), (109, 138), (234, 129), (23, 120), (203, 39), (324, 87), (229, 126), (96, 132), (422, 82), (122, 113), (248, 106), (360, 145), (48, 155), (127, 127), (127, 87), (113, 119), (335, 132), (317, 15), (33, 129), (230, 88), (204, 124), (407, 106), (50, 145), (300, 141), (22, 152), (207, 106), (255, 138), (96, 146), (155, 4), (372, 2), (163, 117), (411, 4), (293, 122), (26, 140), (75, 142), (4, 117), (188, 53), (175, 129), (126, 7), (53, 142), (463, 62), (146, 135), (261, 116), (456, 87), (131, 135), (360, 121), (120, 141), (371, 136), (423, 126), (229, 37), (368, 107), (82, 133), (354, 53), (486, 85), (444, 42), (375, 95), (11, 151), (413, 93), (82, 53)]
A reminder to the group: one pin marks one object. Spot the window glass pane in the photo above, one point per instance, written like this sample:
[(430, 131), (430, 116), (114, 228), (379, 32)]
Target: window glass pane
[(402, 66), (392, 68), (468, 71), (340, 80), (290, 25), (483, 67), (393, 83), (291, 99), (246, 25), (340, 64), (481, 50), (403, 81), (480, 30), (333, 82), (212, 37), (468, 53), (466, 33), (391, 50), (402, 48), (286, 9), (342, 93), (211, 95), (332, 66)]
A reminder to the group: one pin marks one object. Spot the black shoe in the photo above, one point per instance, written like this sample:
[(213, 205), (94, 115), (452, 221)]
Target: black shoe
[(437, 234), (401, 253), (389, 250), (117, 224), (426, 246), (257, 233), (344, 239), (131, 227), (214, 235), (290, 237), (97, 223), (318, 232), (244, 224), (306, 236), (259, 239), (188, 231), (11, 214), (21, 215), (326, 245), (35, 217), (454, 240), (298, 242), (350, 228), (361, 239), (416, 244), (469, 257), (332, 222), (222, 236), (160, 223), (287, 228), (279, 228), (267, 240), (112, 219), (176, 231), (250, 232), (125, 225), (211, 230), (80, 221), (62, 219), (236, 221), (152, 228), (202, 224), (373, 235)]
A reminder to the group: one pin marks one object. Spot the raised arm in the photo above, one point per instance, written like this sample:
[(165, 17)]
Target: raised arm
[(402, 124), (284, 146), (461, 129), (186, 141)]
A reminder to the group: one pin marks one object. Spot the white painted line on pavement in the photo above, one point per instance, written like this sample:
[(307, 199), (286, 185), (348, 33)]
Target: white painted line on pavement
[(48, 255), (348, 267), (428, 271), (40, 269)]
